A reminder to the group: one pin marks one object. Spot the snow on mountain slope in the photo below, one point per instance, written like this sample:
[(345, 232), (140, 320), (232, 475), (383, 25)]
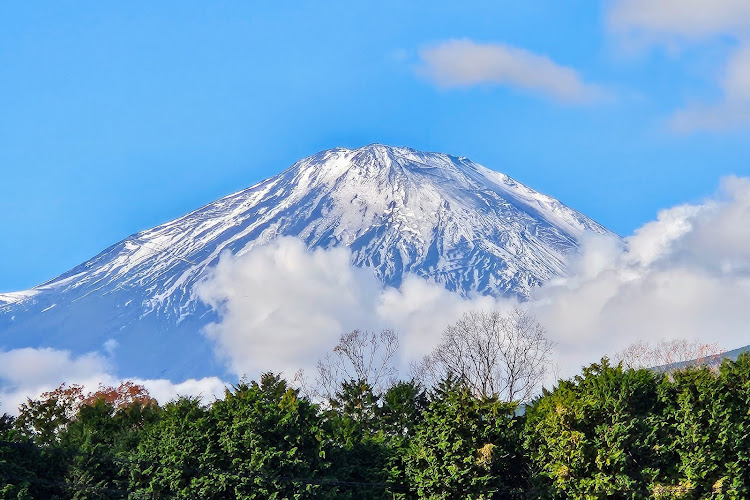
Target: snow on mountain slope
[(400, 211)]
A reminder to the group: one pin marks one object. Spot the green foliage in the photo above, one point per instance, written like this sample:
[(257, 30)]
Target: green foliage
[(370, 435), (261, 441), (607, 433), (43, 419), (358, 451), (466, 447), (403, 405), (708, 422), (100, 441), (270, 439), (27, 470), (731, 409), (401, 414), (355, 411), (597, 435), (173, 449)]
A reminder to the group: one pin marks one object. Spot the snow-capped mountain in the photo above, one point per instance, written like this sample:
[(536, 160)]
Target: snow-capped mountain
[(400, 211)]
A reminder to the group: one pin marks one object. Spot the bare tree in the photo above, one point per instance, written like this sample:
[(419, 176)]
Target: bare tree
[(503, 355), (670, 354), (360, 355)]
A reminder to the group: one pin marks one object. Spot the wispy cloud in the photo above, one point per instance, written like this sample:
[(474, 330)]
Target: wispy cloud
[(731, 112), (464, 63), (676, 23), (666, 21)]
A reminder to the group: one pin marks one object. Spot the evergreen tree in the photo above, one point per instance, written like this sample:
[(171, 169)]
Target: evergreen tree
[(28, 471), (100, 442), (358, 448), (598, 435), (706, 415), (174, 452), (466, 447), (400, 416), (270, 442)]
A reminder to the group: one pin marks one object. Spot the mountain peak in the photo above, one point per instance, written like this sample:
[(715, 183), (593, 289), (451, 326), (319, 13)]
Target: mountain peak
[(381, 165), (400, 212)]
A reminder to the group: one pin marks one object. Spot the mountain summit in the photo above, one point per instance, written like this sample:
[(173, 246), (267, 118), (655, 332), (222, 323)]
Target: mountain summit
[(441, 217)]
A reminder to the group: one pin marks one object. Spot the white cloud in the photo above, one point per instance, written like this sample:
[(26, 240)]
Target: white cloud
[(28, 372), (207, 388), (39, 366), (463, 63), (684, 275), (421, 310), (282, 306)]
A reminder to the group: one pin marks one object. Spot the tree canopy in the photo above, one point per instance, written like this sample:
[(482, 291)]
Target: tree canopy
[(609, 432)]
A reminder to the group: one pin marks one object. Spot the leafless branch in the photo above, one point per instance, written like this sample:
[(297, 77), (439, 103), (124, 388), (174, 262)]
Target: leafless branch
[(664, 353), (504, 355), (360, 355)]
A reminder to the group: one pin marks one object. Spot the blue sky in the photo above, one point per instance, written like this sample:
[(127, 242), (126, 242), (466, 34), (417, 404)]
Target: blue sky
[(117, 117)]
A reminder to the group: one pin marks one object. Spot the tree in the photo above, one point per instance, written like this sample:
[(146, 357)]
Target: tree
[(67, 442), (270, 442), (46, 417), (358, 451), (27, 470), (402, 408), (43, 419), (495, 354), (401, 414), (360, 356), (260, 441), (125, 394), (668, 354), (172, 452), (466, 446), (103, 436), (706, 416), (599, 435)]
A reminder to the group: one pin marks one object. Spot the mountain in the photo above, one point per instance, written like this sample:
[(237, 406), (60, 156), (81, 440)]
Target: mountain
[(441, 217)]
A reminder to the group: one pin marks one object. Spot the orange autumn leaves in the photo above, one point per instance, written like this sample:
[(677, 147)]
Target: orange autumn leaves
[(72, 396)]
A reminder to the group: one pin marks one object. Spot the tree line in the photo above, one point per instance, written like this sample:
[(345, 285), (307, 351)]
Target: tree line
[(612, 431)]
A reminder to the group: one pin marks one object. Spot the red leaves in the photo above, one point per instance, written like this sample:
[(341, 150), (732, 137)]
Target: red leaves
[(121, 396)]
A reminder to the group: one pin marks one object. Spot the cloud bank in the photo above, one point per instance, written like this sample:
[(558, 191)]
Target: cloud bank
[(684, 275), (280, 304), (464, 63), (283, 307)]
